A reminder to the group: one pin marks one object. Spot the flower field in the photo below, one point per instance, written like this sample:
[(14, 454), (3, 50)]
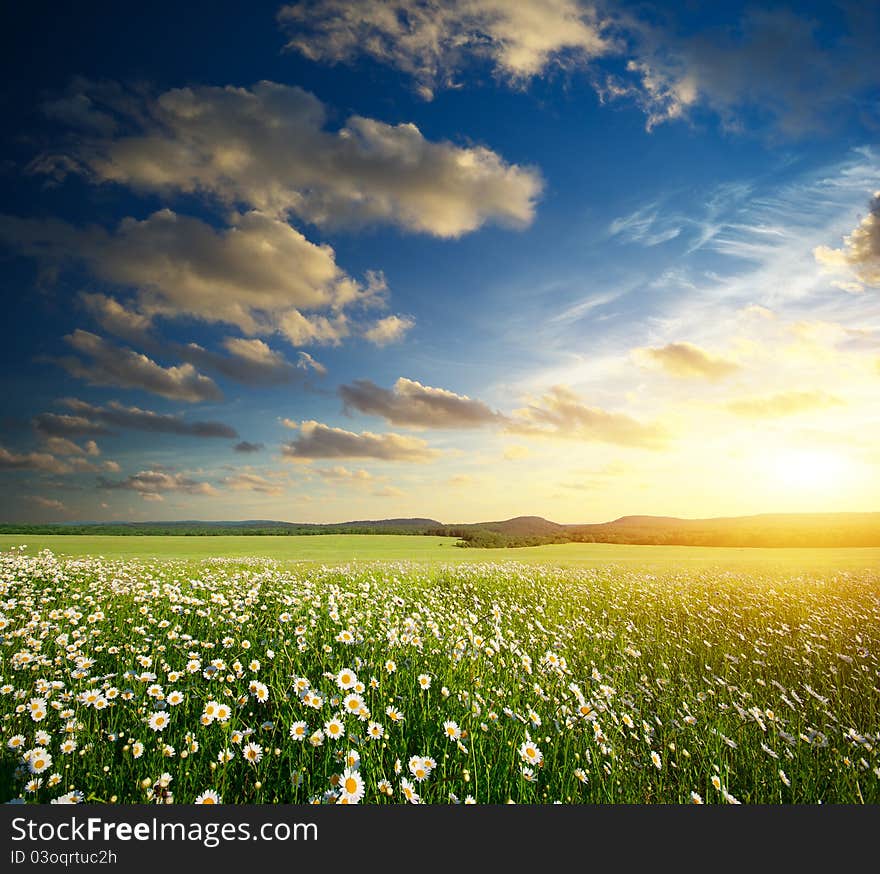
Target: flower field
[(248, 681)]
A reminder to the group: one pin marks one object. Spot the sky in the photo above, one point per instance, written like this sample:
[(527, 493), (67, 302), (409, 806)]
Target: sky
[(464, 260)]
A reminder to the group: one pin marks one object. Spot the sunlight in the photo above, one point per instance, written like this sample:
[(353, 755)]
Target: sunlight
[(810, 470)]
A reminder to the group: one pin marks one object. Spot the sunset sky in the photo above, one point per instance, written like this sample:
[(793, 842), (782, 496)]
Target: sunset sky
[(466, 260)]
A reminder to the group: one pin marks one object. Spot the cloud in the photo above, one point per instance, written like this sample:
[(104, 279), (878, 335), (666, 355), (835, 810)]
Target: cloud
[(646, 226), (268, 148), (560, 413), (388, 492), (251, 362), (155, 482), (415, 405), (686, 361), (271, 369), (63, 446), (117, 366), (42, 461), (246, 447), (62, 426), (431, 41), (46, 503), (753, 65), (316, 440), (306, 362), (515, 453), (783, 404), (252, 483), (860, 253), (667, 64), (260, 274), (93, 419), (343, 474), (460, 479), (757, 311), (391, 329), (114, 318)]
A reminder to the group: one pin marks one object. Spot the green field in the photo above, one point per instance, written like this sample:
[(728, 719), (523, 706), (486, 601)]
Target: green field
[(339, 548), (247, 680)]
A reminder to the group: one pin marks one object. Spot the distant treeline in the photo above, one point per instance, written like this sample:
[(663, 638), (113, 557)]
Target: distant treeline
[(788, 530), (200, 530)]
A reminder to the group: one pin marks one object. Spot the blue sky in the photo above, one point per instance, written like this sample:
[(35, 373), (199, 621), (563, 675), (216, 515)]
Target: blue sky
[(459, 260)]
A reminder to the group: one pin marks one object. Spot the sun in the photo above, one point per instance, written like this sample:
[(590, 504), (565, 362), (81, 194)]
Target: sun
[(810, 469)]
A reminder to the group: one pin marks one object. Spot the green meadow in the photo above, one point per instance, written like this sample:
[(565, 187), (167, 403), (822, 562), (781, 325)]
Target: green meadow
[(341, 548), (645, 675)]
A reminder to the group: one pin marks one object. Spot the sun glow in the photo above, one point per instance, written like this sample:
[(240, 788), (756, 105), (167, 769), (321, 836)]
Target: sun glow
[(810, 470)]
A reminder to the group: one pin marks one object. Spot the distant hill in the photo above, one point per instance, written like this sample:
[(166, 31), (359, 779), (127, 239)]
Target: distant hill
[(770, 529)]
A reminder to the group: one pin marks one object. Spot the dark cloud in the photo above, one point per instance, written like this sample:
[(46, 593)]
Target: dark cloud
[(316, 440), (246, 447), (42, 461), (416, 405), (861, 249), (112, 365), (64, 426), (155, 482), (92, 419)]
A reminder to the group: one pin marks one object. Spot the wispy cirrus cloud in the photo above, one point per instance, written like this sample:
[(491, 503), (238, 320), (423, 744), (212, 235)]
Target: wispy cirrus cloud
[(783, 404)]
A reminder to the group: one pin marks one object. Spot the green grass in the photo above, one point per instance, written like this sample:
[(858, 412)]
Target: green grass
[(337, 548), (631, 685)]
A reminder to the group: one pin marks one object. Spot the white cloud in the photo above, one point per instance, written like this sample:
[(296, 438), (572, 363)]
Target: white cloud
[(560, 413), (260, 274), (391, 329), (307, 362), (432, 39), (250, 482), (860, 254), (783, 404), (686, 361), (268, 148), (344, 474)]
